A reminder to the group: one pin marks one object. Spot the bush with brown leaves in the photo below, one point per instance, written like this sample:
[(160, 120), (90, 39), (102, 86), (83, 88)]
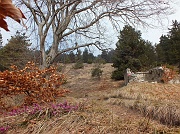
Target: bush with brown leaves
[(38, 85)]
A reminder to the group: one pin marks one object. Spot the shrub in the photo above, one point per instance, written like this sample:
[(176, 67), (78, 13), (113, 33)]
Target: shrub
[(50, 109), (38, 85), (117, 75), (97, 71), (78, 65), (169, 74), (99, 61), (89, 61)]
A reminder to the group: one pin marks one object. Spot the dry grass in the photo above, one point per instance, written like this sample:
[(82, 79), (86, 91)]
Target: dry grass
[(105, 108), (94, 117), (158, 101)]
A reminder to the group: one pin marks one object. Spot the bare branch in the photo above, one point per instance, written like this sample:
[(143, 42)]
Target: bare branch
[(63, 18)]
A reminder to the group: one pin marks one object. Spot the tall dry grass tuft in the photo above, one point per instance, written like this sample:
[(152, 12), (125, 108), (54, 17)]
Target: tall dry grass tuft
[(157, 101)]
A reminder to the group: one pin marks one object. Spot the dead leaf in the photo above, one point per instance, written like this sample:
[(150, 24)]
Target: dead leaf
[(8, 9), (3, 23)]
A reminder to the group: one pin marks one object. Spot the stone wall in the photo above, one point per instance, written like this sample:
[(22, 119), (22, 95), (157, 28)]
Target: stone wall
[(155, 75)]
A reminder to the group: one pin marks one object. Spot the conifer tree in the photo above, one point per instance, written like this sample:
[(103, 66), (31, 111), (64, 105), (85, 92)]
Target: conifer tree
[(168, 50), (131, 52), (16, 51)]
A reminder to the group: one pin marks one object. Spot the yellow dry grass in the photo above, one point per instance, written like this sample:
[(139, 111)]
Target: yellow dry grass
[(107, 108), (158, 101), (94, 117)]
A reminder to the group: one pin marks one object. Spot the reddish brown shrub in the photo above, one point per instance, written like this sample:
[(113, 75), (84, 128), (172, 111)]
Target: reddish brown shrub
[(38, 85)]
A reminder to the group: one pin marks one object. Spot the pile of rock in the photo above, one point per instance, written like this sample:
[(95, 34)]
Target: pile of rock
[(154, 75)]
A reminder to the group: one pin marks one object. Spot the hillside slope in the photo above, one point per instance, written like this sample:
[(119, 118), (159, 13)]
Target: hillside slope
[(107, 107)]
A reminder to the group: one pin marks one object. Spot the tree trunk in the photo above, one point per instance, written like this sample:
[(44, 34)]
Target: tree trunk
[(43, 56), (53, 51), (43, 53)]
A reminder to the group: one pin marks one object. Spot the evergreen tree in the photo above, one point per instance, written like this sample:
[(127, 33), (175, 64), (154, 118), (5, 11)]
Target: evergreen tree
[(16, 51), (174, 35), (148, 58), (128, 53), (85, 55), (90, 58), (72, 57), (78, 56), (104, 56), (110, 56), (163, 50), (168, 50)]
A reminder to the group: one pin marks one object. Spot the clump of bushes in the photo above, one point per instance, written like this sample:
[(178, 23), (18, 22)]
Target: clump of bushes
[(97, 71), (78, 65), (117, 75), (90, 61)]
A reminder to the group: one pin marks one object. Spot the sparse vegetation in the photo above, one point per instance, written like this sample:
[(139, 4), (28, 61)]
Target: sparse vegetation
[(35, 112)]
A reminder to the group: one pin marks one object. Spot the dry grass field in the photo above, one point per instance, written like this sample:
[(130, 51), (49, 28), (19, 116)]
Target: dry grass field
[(106, 107)]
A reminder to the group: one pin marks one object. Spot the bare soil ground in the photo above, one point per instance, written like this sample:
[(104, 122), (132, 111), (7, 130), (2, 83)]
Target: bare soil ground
[(108, 107)]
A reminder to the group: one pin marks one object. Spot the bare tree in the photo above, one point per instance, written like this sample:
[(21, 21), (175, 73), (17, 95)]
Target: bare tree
[(64, 18)]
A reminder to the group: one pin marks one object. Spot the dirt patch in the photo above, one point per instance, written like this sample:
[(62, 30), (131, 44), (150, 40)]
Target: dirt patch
[(80, 82)]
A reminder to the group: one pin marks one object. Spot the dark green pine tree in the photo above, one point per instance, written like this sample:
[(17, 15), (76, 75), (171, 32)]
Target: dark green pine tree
[(16, 51), (85, 55), (163, 50), (104, 56), (2, 67), (174, 35), (91, 58), (149, 57), (168, 50), (72, 57), (110, 55), (130, 47)]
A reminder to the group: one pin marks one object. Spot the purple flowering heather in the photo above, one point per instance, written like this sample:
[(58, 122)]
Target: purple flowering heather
[(55, 109), (3, 129)]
